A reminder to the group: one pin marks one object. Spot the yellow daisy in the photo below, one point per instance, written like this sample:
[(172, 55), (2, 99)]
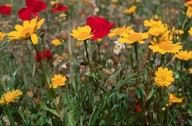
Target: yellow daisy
[(189, 9), (164, 77), (82, 33), (156, 27), (132, 37), (130, 10), (184, 55), (174, 99), (56, 42), (190, 31), (57, 81), (26, 31), (119, 31), (10, 96), (165, 47)]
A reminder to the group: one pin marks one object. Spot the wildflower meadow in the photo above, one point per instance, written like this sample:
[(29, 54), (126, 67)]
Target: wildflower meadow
[(95, 62)]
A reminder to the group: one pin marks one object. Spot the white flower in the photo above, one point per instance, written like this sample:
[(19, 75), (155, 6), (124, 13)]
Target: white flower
[(117, 48)]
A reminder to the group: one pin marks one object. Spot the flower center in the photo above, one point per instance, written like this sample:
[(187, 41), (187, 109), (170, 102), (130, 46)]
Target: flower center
[(27, 32), (84, 35), (165, 45)]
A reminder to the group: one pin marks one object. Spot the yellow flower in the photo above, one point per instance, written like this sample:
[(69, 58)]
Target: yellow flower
[(57, 81), (190, 31), (2, 35), (164, 77), (119, 31), (174, 99), (189, 9), (132, 37), (130, 10), (156, 27), (175, 33), (190, 70), (165, 47), (184, 55), (56, 42), (10, 96), (26, 31), (82, 33)]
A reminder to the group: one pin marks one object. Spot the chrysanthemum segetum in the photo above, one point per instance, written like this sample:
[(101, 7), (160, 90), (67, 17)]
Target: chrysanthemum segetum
[(82, 33), (174, 99), (190, 31), (184, 55), (132, 37), (10, 96), (119, 31), (58, 80), (164, 77), (165, 47), (130, 10), (189, 9), (26, 31), (56, 42), (156, 27)]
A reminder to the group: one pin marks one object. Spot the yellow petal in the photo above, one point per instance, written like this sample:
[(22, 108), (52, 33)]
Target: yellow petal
[(25, 23), (40, 23), (13, 33), (19, 27), (34, 39), (33, 22)]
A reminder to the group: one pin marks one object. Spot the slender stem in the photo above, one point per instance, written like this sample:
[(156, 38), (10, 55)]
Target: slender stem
[(136, 54), (162, 59), (41, 66), (87, 55), (183, 25), (182, 81), (43, 46)]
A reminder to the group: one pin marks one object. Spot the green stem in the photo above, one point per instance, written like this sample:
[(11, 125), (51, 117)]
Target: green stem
[(183, 25), (41, 66), (136, 54), (162, 59), (182, 81), (87, 55)]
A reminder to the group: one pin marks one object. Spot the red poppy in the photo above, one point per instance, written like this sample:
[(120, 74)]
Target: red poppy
[(99, 26), (5, 9), (33, 7), (138, 108), (47, 54), (58, 7), (41, 56)]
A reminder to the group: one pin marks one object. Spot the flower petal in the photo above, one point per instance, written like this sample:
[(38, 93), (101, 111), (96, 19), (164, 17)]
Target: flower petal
[(34, 39)]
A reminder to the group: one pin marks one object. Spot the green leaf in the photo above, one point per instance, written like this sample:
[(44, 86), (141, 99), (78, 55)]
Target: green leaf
[(150, 94), (44, 107), (71, 119)]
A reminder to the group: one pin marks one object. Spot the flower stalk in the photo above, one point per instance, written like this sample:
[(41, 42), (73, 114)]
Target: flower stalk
[(87, 55)]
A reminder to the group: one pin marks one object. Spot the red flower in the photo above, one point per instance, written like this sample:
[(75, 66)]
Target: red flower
[(47, 54), (99, 26), (58, 7), (41, 56), (138, 108), (33, 7), (5, 9)]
